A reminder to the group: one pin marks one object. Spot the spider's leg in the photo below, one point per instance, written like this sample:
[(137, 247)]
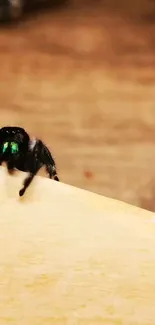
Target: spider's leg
[(49, 163), (51, 170), (34, 165), (27, 182)]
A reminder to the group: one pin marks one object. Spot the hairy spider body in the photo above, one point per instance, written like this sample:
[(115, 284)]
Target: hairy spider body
[(20, 152)]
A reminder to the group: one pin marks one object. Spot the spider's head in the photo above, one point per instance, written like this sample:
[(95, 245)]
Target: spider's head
[(13, 141)]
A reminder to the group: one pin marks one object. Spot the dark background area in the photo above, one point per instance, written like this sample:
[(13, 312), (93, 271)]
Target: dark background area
[(81, 76)]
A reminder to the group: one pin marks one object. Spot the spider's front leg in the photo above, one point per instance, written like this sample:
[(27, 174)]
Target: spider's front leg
[(32, 173), (33, 167), (27, 182)]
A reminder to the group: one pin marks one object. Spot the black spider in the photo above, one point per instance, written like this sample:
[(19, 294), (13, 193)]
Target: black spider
[(20, 152)]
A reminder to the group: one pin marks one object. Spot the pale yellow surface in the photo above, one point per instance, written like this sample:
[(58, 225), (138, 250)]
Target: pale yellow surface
[(71, 257)]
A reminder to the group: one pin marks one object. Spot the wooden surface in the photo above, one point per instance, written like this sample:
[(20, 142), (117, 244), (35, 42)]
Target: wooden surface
[(84, 81), (69, 256)]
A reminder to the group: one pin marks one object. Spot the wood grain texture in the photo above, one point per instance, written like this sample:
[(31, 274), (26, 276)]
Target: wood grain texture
[(69, 256)]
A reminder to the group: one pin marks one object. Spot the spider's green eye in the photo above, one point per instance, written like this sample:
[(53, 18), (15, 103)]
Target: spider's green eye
[(5, 146), (14, 147)]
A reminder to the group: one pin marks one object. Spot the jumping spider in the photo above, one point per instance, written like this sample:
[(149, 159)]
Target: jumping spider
[(20, 152)]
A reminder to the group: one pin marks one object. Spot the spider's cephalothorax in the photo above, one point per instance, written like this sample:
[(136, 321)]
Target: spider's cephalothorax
[(20, 152)]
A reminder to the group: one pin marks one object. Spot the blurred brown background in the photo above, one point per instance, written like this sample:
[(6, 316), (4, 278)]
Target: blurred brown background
[(81, 76)]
